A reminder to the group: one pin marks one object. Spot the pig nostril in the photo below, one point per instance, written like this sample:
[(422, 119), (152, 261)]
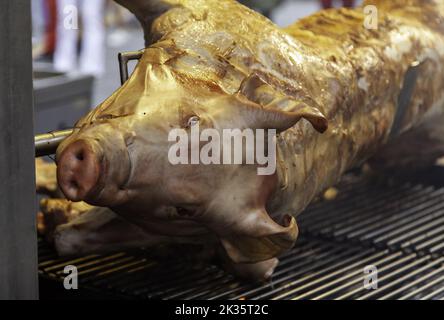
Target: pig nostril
[(73, 184), (79, 156)]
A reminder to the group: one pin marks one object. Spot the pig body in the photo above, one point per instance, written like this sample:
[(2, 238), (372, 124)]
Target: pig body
[(225, 66)]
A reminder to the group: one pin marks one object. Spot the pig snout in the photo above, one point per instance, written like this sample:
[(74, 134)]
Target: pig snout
[(79, 168), (94, 165)]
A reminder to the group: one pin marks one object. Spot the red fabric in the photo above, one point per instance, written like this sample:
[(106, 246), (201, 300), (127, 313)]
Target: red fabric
[(329, 3), (51, 26), (326, 4), (348, 3)]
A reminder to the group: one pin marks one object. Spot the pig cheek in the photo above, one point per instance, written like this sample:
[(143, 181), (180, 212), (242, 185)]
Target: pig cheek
[(144, 173), (115, 176)]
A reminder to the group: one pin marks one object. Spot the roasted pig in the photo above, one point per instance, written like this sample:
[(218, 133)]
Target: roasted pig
[(334, 89)]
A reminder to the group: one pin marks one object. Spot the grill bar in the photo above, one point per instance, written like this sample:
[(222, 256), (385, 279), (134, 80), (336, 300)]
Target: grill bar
[(322, 265), (398, 228), (404, 279), (344, 279), (418, 281), (399, 266)]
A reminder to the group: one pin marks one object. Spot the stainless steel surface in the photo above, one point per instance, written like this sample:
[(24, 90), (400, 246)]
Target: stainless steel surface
[(18, 245), (60, 99)]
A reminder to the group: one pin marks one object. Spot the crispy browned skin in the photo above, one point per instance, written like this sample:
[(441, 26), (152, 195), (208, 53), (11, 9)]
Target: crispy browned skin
[(351, 74), (46, 179), (236, 69), (55, 212), (357, 85)]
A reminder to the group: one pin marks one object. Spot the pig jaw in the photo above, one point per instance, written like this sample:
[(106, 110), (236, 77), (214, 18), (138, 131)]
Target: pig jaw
[(93, 165)]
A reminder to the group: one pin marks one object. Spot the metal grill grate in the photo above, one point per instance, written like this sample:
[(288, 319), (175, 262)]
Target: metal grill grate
[(397, 228)]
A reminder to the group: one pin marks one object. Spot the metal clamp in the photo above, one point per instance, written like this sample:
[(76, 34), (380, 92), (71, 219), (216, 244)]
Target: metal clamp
[(124, 58), (405, 97)]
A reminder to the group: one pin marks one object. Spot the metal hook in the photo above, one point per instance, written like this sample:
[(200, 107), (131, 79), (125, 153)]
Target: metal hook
[(124, 58), (46, 144)]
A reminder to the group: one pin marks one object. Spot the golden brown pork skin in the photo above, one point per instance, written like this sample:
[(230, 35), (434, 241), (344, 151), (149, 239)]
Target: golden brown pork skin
[(45, 178), (233, 68)]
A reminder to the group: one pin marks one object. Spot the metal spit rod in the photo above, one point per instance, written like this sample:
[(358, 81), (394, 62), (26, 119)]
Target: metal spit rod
[(47, 143)]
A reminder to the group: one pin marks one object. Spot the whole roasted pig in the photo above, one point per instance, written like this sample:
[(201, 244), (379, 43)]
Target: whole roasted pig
[(334, 89)]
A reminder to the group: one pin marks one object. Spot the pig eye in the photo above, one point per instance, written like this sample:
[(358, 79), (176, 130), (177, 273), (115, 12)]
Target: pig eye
[(193, 121)]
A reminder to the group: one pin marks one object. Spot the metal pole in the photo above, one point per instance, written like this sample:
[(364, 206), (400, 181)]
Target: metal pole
[(18, 240), (47, 143)]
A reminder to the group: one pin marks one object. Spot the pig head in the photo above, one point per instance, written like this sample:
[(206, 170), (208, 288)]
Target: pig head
[(117, 156)]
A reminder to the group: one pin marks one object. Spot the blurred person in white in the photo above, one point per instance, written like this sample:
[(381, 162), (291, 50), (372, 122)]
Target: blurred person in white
[(38, 21), (92, 55)]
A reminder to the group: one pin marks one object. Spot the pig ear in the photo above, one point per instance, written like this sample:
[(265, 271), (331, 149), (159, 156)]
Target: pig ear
[(258, 238), (271, 109), (146, 11)]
